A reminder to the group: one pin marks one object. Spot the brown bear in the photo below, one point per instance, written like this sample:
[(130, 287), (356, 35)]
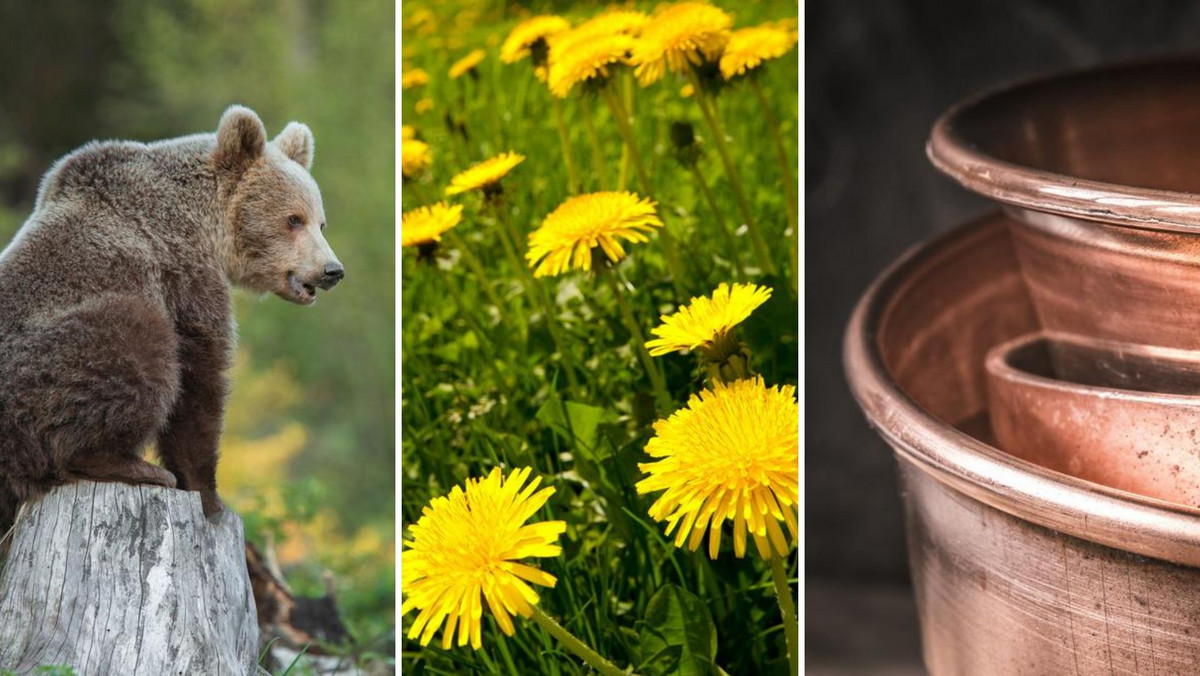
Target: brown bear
[(116, 326)]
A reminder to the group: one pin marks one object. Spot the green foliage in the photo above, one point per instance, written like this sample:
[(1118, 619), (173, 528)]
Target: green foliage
[(295, 662), (678, 636), (574, 422), (484, 386)]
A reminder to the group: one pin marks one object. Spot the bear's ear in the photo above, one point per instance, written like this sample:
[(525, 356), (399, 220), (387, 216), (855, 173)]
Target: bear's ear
[(296, 141), (241, 139)]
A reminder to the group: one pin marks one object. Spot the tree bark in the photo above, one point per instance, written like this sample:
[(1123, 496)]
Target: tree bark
[(110, 578)]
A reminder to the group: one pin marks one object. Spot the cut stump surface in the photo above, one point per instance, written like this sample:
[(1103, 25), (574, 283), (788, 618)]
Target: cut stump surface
[(116, 579)]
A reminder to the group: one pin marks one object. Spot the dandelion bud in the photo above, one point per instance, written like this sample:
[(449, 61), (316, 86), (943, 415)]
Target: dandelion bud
[(682, 135), (539, 53)]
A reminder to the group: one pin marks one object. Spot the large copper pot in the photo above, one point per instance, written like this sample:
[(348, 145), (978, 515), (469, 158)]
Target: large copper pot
[(1100, 170), (1017, 569)]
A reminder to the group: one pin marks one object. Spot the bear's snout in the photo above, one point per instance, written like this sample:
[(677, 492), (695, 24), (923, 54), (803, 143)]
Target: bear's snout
[(333, 273)]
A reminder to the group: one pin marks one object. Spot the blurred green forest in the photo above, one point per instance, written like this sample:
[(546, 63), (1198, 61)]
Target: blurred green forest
[(308, 454)]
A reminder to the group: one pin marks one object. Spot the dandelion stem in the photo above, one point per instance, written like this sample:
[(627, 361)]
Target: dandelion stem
[(535, 289), (489, 354), (414, 184), (476, 268), (657, 381), (623, 177), (722, 224), (462, 153), (626, 129), (714, 125), (670, 246), (575, 645), (787, 607), (506, 239), (565, 139), (789, 181), (507, 244), (568, 361), (459, 125), (597, 150), (502, 216)]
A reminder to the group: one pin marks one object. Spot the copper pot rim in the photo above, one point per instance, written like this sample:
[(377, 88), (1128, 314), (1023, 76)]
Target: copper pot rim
[(1041, 190), (1063, 503), (997, 364)]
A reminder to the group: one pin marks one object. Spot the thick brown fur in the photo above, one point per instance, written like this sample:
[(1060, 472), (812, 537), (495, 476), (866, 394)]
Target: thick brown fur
[(115, 320)]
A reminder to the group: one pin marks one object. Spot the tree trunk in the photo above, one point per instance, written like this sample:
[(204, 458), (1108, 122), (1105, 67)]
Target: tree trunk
[(115, 579)]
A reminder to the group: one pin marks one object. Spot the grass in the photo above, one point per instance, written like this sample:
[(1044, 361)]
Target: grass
[(484, 385)]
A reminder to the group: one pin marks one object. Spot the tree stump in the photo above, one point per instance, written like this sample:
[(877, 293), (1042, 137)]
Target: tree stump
[(110, 578)]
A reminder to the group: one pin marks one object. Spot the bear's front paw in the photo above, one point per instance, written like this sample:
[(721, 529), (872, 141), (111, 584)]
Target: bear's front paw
[(211, 502)]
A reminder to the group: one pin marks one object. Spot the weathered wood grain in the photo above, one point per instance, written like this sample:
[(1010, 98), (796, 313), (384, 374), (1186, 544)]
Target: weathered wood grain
[(116, 579)]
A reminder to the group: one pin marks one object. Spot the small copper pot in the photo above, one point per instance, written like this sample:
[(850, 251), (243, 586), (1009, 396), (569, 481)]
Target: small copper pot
[(1017, 569), (1121, 415), (1100, 172)]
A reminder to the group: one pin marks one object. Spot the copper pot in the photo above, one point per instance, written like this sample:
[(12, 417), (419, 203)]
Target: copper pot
[(1100, 172), (1126, 416), (1017, 569)]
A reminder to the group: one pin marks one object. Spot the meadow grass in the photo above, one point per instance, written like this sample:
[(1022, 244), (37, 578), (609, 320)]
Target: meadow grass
[(485, 386)]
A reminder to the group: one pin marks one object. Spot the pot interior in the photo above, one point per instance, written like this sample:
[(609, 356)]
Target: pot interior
[(943, 319), (1135, 125), (916, 358), (1105, 366)]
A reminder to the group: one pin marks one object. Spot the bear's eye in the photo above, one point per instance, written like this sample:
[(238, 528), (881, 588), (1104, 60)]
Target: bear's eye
[(294, 221), (322, 225)]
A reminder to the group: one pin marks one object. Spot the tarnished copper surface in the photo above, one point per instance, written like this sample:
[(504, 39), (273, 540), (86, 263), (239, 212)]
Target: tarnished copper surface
[(1114, 144), (1111, 282), (1121, 415), (1001, 595), (1018, 569), (1099, 171)]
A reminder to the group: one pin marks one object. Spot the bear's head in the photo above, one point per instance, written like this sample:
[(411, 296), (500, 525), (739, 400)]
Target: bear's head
[(273, 213)]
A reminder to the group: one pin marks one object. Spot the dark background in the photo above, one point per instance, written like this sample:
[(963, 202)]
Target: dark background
[(877, 76)]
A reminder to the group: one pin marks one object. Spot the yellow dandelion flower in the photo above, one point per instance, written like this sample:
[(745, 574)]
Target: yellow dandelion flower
[(485, 175), (686, 91), (421, 17), (749, 47), (613, 22), (467, 19), (423, 106), (407, 132), (570, 233), (522, 38), (413, 78), (678, 34), (415, 156), (425, 225), (586, 59), (625, 21), (466, 545), (467, 63), (704, 320), (732, 454)]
